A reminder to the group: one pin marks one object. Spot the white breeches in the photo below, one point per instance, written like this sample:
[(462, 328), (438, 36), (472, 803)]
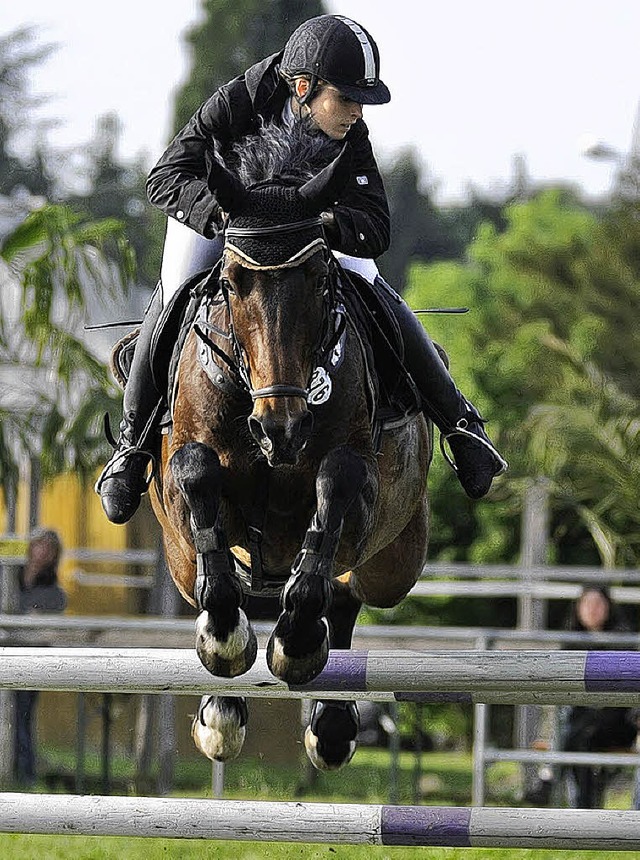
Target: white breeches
[(186, 252), (360, 265)]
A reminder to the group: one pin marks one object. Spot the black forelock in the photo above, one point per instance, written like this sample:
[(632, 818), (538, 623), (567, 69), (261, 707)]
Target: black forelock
[(289, 155)]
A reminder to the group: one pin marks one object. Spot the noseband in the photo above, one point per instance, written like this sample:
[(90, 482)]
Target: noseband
[(280, 390), (326, 342)]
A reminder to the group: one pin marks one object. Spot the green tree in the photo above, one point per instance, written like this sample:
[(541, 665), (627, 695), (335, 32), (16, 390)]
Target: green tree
[(233, 35), (117, 190), (418, 227), (19, 54), (550, 351), (55, 387), (109, 187)]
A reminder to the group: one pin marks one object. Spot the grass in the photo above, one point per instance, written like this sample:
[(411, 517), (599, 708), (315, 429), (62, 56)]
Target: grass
[(114, 848), (445, 780)]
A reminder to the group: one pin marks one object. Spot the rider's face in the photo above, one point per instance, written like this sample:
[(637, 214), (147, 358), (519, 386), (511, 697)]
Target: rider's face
[(333, 113)]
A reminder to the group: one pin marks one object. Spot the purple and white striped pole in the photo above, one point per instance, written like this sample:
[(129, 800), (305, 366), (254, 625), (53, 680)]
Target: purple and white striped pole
[(598, 677), (510, 677), (347, 824)]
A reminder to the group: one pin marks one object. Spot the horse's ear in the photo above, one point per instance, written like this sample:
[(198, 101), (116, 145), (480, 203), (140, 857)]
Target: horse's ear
[(324, 188), (229, 191)]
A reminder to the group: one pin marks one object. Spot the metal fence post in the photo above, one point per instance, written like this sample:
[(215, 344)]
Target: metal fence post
[(532, 610)]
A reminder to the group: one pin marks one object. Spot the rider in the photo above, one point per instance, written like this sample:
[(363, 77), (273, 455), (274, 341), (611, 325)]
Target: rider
[(328, 70)]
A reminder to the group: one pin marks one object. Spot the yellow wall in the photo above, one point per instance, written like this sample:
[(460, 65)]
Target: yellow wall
[(74, 511)]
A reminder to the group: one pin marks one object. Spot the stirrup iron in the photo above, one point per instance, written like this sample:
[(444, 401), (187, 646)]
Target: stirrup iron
[(461, 430)]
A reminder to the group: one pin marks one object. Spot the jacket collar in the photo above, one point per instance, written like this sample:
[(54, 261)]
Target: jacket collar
[(267, 91)]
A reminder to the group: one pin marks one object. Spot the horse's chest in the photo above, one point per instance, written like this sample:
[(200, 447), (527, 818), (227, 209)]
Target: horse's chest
[(278, 502)]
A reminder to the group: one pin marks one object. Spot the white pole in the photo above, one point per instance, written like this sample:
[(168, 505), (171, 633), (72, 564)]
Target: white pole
[(348, 824), (465, 675)]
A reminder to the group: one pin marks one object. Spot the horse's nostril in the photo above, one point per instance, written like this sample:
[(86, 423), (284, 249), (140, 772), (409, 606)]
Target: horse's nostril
[(257, 431), (306, 426), (282, 439)]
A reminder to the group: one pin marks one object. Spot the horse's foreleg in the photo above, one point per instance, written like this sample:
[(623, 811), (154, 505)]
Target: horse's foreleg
[(219, 727), (225, 641), (330, 737), (299, 645)]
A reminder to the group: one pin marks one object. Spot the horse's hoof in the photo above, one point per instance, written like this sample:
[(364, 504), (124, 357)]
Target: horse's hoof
[(331, 737), (232, 656), (219, 727), (298, 670)]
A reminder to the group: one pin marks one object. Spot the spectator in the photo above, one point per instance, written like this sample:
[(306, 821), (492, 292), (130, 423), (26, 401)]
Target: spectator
[(586, 729), (39, 592)]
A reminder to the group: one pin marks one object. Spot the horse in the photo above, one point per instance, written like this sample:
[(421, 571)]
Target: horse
[(265, 486)]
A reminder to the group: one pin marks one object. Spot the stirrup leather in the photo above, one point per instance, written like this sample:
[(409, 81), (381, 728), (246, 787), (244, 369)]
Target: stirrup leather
[(461, 429)]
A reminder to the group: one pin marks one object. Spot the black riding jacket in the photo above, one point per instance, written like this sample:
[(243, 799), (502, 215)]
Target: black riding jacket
[(178, 183)]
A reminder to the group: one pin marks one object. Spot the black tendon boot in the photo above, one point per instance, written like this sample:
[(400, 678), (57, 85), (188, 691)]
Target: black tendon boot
[(475, 460), (124, 478)]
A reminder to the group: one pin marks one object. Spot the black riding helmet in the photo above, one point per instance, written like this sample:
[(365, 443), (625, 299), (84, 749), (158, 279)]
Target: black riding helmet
[(335, 49)]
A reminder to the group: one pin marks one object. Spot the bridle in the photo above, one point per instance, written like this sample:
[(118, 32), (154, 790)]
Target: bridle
[(332, 325)]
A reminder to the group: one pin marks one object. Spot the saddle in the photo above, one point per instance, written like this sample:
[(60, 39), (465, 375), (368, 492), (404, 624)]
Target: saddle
[(168, 339)]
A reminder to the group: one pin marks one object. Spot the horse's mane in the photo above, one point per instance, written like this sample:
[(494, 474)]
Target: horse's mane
[(290, 155)]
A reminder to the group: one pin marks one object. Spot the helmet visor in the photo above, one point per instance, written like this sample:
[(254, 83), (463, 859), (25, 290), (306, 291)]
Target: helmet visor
[(364, 92)]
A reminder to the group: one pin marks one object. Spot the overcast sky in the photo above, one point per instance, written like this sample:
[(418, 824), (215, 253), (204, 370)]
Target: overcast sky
[(473, 83)]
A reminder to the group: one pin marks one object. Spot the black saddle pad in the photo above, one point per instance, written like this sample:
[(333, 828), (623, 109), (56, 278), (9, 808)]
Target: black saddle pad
[(369, 306), (174, 324)]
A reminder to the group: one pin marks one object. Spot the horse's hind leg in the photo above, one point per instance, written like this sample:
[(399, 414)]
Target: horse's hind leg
[(330, 737), (225, 641), (299, 645)]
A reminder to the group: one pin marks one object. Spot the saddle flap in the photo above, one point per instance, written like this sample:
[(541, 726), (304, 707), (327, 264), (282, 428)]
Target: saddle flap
[(370, 311), (174, 322)]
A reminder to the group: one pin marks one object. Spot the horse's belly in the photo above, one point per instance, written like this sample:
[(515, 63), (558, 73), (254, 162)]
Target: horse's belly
[(283, 516), (403, 466)]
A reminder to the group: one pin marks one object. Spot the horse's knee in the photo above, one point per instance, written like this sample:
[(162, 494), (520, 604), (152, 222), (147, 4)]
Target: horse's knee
[(196, 470), (341, 478), (342, 471)]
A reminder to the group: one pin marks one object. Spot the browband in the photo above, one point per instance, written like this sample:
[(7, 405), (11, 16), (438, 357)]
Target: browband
[(296, 227)]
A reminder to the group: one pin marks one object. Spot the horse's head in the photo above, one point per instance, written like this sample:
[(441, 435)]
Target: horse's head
[(275, 277)]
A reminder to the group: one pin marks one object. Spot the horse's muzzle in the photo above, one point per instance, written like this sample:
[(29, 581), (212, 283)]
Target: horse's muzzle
[(281, 438)]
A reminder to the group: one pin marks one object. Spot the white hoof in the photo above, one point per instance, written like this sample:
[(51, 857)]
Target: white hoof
[(311, 746), (298, 670), (229, 657), (218, 730)]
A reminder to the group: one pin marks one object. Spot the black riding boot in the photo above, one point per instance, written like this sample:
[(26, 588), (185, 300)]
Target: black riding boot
[(124, 478), (475, 460)]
